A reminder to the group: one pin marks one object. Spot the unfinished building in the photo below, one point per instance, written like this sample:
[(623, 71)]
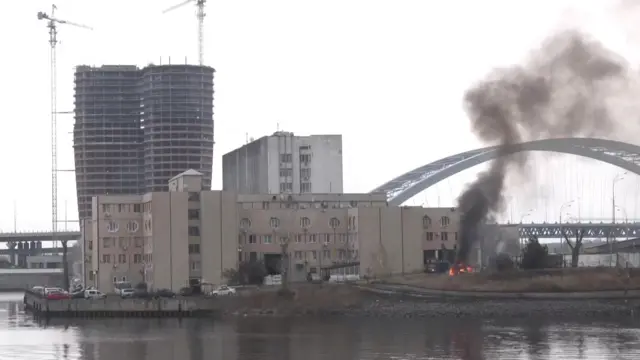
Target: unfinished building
[(137, 128)]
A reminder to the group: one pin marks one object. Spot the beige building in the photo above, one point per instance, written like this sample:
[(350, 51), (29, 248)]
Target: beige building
[(168, 239)]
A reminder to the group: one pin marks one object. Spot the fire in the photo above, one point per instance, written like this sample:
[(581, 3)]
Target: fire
[(459, 268)]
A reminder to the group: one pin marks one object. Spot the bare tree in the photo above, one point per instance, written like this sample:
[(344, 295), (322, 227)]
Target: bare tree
[(576, 247)]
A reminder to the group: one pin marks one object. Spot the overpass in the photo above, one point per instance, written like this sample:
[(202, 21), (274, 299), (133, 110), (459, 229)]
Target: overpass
[(591, 230), (20, 279), (631, 245), (38, 236)]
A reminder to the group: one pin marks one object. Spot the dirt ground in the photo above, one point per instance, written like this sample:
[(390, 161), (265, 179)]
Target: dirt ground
[(305, 298), (555, 280)]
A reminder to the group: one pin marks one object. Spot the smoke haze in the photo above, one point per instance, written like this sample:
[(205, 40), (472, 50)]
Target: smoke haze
[(565, 89)]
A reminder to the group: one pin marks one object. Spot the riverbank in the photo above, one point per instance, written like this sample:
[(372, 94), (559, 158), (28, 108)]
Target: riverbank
[(530, 281), (352, 301)]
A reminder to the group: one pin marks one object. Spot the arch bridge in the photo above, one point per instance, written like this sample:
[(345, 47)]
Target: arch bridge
[(410, 184)]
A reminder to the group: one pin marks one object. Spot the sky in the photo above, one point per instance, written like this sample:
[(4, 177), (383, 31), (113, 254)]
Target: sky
[(387, 75)]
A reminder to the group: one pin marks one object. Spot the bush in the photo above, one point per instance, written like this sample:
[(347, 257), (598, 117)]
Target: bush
[(534, 255), (247, 273)]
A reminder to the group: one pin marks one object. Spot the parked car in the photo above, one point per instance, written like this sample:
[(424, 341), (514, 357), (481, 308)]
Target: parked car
[(53, 289), (164, 293), (94, 294), (127, 293), (120, 286), (223, 291), (38, 290), (57, 295)]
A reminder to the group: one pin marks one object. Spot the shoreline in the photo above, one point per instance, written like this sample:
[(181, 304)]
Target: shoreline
[(403, 305)]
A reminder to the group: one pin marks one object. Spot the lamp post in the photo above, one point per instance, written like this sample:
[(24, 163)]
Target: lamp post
[(562, 239), (612, 236)]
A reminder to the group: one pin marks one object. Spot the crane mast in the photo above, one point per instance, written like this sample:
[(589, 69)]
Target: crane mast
[(52, 23), (200, 14)]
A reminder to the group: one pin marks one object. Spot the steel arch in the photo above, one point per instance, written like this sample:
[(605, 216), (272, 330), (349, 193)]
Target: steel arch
[(404, 187)]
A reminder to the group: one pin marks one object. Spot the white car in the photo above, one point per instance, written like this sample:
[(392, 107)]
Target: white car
[(127, 293), (223, 291), (94, 294)]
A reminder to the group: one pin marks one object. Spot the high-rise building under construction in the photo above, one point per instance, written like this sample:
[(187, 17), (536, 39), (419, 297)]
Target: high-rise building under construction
[(137, 128)]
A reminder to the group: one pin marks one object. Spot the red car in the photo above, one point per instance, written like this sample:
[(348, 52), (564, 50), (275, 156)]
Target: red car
[(56, 295)]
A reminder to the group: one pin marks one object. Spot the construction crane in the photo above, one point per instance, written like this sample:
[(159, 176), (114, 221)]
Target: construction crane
[(200, 15), (52, 24)]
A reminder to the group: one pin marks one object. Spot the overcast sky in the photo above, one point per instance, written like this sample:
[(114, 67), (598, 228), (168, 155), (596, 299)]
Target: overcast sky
[(388, 75)]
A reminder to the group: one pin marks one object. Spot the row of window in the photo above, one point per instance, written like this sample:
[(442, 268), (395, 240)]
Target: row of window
[(305, 173), (444, 221), (305, 223), (122, 242), (127, 208), (329, 238), (342, 254), (288, 158), (444, 236), (124, 258)]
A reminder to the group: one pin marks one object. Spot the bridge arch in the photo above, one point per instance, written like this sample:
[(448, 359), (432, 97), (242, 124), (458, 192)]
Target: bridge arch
[(407, 185)]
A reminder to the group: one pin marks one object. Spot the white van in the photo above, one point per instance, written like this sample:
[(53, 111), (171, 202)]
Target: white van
[(94, 294)]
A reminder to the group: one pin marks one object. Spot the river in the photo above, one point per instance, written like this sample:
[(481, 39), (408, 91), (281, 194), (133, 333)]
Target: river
[(309, 339)]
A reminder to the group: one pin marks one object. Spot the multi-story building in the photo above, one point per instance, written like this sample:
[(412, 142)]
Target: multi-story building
[(137, 128), (285, 163), (170, 239)]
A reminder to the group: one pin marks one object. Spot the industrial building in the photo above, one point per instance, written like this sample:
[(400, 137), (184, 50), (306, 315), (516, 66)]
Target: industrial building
[(169, 239), (285, 163), (137, 128)]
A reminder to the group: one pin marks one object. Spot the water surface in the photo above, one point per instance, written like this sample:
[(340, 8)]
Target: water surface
[(306, 339)]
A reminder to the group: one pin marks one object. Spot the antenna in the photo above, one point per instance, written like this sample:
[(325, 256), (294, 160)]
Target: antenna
[(200, 15), (52, 24)]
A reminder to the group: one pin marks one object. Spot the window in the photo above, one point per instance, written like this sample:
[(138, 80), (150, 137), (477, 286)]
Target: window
[(252, 239), (426, 222), (113, 227), (245, 224), (267, 239), (299, 238), (314, 255), (429, 236), (137, 258), (312, 238), (284, 172), (106, 258), (286, 158), (445, 221), (90, 245), (298, 255), (286, 187), (444, 236), (305, 222), (139, 241), (124, 243), (334, 222), (195, 265), (305, 173), (283, 240), (455, 236), (137, 208), (194, 248), (305, 187), (326, 254), (194, 214), (133, 226), (122, 258), (194, 196), (305, 158), (194, 231), (108, 242), (274, 222)]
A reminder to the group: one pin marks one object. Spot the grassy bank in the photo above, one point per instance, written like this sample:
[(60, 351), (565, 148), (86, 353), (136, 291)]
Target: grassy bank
[(551, 280)]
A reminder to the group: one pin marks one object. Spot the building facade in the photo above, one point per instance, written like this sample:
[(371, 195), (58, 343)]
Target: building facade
[(137, 128), (285, 163), (171, 239)]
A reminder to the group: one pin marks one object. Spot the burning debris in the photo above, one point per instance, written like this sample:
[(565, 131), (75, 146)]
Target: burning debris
[(460, 268), (564, 90)]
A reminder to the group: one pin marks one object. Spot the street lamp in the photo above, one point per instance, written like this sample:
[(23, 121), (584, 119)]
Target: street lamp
[(562, 239)]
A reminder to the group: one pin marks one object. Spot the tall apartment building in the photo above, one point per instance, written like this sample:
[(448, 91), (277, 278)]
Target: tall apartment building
[(171, 239), (285, 163), (137, 128)]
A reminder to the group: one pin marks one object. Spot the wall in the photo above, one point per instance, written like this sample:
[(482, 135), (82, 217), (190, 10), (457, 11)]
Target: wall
[(219, 234), (12, 281)]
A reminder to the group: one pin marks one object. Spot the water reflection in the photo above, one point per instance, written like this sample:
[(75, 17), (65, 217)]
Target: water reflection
[(283, 339)]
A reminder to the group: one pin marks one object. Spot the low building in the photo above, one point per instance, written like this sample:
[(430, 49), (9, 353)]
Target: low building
[(44, 262), (171, 239)]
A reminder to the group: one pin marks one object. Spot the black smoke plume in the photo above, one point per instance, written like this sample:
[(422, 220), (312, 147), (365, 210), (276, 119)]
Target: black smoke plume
[(563, 90)]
